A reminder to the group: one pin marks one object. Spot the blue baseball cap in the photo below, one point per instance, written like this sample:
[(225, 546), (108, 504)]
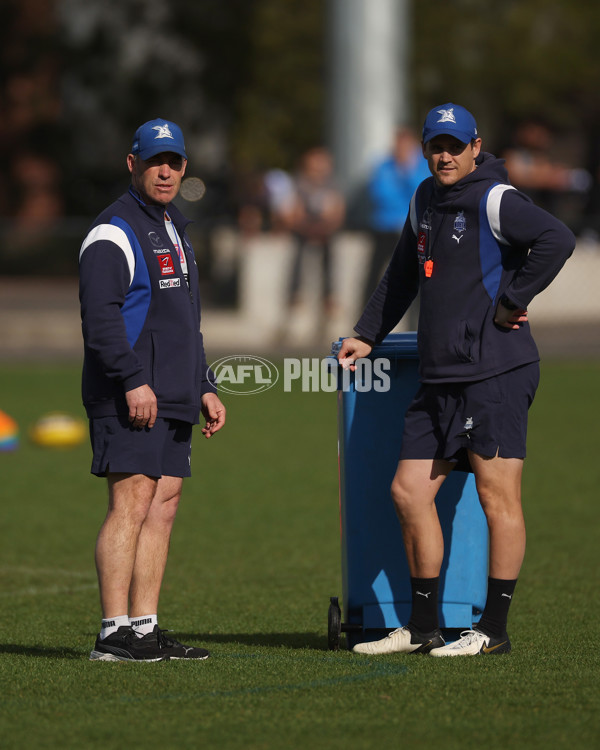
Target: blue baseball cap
[(450, 119), (158, 136)]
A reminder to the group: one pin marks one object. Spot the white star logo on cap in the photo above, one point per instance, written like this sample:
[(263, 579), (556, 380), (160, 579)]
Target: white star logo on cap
[(163, 131), (447, 115)]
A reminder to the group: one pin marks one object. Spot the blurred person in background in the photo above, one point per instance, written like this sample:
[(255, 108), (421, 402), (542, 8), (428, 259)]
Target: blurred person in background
[(266, 202), (145, 383), (392, 184), (533, 169), (37, 179), (252, 200), (477, 251), (318, 212)]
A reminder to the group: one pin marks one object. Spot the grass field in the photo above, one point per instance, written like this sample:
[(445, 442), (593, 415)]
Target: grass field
[(254, 559)]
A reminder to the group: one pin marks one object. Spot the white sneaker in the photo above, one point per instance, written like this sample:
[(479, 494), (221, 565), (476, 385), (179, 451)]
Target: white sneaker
[(402, 641), (472, 642)]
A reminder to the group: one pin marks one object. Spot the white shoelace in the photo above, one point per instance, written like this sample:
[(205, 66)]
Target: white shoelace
[(469, 636)]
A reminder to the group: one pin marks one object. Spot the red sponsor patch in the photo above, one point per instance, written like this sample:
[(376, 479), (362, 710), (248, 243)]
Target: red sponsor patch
[(166, 265), (422, 242)]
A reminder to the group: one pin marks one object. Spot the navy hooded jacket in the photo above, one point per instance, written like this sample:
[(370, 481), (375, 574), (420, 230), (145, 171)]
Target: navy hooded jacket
[(140, 320), (485, 239)]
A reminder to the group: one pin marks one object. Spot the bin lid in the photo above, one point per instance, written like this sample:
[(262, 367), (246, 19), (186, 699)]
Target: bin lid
[(394, 346)]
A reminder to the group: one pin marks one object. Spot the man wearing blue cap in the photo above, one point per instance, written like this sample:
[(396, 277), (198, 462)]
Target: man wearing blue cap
[(145, 383), (477, 251)]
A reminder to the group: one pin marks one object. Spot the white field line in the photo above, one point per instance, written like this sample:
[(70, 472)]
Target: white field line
[(52, 590), (24, 570), (47, 590)]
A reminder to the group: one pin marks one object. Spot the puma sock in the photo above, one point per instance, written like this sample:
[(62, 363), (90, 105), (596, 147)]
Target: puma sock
[(143, 624), (495, 615), (424, 614), (110, 625)]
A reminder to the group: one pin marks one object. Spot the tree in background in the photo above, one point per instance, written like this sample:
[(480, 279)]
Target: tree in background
[(510, 61), (30, 106), (514, 62), (246, 79), (242, 77)]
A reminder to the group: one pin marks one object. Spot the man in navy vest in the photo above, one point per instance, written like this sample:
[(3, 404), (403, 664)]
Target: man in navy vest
[(145, 384)]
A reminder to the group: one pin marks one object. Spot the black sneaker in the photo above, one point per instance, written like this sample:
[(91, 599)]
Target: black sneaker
[(124, 645), (172, 649)]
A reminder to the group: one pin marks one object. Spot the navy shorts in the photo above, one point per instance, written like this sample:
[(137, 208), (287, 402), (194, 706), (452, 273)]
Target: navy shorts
[(120, 448), (488, 417)]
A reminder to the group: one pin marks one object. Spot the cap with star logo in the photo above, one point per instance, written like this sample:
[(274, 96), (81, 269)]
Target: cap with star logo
[(450, 119), (157, 137)]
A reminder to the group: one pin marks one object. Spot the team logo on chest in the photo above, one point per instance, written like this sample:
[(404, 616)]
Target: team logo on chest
[(460, 223), (155, 239), (460, 226)]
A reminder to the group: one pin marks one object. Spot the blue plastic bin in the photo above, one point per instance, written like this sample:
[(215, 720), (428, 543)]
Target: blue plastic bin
[(375, 578)]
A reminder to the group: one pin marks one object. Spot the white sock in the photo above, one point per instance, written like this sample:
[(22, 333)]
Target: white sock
[(110, 625), (143, 624)]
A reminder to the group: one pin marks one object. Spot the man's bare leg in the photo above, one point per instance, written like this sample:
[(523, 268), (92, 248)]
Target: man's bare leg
[(148, 572), (130, 498), (498, 483), (414, 488), (153, 548)]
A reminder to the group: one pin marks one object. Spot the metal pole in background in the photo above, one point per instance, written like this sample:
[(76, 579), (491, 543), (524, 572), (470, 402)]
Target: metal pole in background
[(367, 89)]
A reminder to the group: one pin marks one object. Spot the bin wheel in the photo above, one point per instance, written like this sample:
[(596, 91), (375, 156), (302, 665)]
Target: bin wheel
[(334, 625)]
